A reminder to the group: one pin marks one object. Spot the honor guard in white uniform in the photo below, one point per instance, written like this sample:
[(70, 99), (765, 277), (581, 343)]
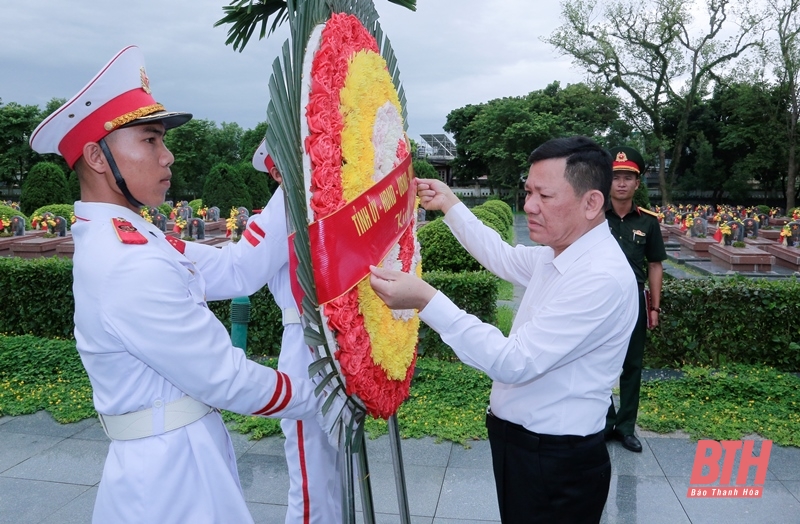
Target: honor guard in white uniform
[(314, 483), (160, 363)]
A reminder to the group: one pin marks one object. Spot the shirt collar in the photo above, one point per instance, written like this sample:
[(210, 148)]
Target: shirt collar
[(102, 211), (581, 246)]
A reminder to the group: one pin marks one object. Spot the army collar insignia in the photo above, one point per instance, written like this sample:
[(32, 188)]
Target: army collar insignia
[(126, 233)]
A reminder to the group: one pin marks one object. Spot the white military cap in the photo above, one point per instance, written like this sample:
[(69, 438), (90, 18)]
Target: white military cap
[(118, 96), (262, 161)]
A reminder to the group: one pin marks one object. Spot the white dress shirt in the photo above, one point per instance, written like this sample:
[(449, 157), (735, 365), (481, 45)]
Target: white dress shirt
[(553, 374), (145, 334)]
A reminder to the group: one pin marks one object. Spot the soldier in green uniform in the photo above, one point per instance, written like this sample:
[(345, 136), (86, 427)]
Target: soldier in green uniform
[(639, 235)]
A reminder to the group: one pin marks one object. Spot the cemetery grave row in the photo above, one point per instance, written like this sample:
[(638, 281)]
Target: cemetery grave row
[(50, 235)]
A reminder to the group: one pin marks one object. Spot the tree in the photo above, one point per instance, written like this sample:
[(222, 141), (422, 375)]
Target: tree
[(646, 49), (225, 189), (251, 139), (44, 185), (16, 157), (245, 15), (497, 137), (191, 144), (785, 55), (257, 183), (424, 169)]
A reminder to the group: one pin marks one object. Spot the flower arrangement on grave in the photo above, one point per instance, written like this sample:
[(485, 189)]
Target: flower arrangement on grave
[(180, 224), (5, 226), (46, 222), (145, 212), (688, 222), (724, 231), (202, 212), (786, 234), (230, 226), (795, 214), (175, 211)]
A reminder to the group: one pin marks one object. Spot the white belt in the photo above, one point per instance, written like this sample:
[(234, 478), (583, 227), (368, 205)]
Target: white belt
[(290, 316), (162, 417)]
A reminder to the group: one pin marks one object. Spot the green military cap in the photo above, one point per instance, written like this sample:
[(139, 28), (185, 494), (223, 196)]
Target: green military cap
[(627, 159)]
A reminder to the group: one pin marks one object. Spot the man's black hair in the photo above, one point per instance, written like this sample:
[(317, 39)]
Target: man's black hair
[(588, 164)]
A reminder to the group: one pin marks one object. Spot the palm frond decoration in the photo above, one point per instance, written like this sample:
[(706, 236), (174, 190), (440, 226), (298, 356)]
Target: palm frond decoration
[(244, 16)]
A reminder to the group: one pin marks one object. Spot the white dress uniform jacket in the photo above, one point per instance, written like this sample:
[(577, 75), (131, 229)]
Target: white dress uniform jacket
[(314, 485), (553, 374), (146, 338)]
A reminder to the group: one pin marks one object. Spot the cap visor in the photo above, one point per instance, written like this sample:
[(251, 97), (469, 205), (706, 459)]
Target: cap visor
[(169, 119)]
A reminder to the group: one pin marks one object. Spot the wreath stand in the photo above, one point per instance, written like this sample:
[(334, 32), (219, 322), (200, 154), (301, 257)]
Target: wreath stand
[(351, 449)]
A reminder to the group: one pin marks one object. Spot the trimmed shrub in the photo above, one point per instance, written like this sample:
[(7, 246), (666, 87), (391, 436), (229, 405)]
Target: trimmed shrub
[(225, 189), (442, 252), (45, 184), (257, 184), (474, 292), (424, 169), (59, 210), (495, 221), (165, 209), (74, 186), (8, 211), (641, 197), (501, 209), (715, 321), (37, 297), (195, 204)]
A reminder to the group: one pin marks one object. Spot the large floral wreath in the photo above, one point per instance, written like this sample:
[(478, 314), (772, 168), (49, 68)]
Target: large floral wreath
[(353, 137)]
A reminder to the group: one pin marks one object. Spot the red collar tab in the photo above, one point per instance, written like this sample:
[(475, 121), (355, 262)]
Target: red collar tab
[(126, 233), (177, 243)]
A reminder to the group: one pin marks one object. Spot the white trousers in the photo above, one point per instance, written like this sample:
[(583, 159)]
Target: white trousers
[(315, 495)]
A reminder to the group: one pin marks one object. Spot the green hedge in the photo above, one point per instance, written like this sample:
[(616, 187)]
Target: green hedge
[(714, 321), (442, 252), (474, 292), (37, 299), (502, 210)]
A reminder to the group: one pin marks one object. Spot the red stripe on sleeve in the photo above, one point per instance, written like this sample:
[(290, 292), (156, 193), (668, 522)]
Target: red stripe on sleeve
[(301, 445), (285, 400), (250, 238), (257, 230), (275, 396)]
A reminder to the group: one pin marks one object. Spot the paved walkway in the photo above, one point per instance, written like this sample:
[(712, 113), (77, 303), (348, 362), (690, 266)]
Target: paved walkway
[(49, 474)]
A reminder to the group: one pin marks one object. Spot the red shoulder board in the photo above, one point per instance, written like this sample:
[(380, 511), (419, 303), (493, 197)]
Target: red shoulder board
[(126, 233), (177, 243)]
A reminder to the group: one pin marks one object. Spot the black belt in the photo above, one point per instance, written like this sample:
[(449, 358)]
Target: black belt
[(516, 434)]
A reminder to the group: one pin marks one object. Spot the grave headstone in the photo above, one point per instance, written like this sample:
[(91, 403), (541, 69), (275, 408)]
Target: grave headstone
[(750, 228), (160, 221), (60, 228), (699, 228), (196, 228), (793, 240), (17, 226), (737, 233)]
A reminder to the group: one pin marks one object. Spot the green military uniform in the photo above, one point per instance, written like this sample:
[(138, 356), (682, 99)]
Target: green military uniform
[(639, 235)]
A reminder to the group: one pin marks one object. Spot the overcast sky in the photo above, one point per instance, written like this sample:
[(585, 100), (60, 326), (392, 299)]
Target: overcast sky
[(450, 52)]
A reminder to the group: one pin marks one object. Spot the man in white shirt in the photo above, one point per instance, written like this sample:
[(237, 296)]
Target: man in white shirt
[(553, 374)]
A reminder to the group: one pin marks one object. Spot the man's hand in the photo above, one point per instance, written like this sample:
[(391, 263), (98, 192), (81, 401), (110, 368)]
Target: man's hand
[(400, 290), (435, 194), (653, 319)]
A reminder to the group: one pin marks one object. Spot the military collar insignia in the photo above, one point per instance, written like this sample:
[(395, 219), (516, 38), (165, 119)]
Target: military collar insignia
[(126, 233)]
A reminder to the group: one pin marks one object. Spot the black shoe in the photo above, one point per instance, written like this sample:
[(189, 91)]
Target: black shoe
[(630, 442)]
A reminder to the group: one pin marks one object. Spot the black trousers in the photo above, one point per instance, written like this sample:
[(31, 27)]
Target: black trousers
[(548, 478)]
